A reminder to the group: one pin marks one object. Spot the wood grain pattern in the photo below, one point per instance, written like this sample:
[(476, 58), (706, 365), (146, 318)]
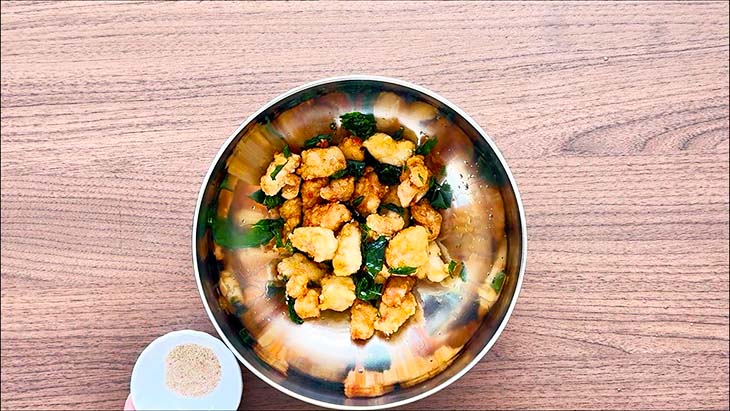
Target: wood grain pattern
[(613, 117)]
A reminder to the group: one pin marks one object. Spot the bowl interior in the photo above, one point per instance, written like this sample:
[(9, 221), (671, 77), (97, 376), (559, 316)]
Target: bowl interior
[(456, 322)]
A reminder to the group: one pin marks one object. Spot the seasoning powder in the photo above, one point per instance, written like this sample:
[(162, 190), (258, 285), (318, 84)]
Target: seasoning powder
[(192, 370)]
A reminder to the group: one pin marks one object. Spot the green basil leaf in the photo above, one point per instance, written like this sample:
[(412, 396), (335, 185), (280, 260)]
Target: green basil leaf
[(276, 171), (258, 196), (405, 270), (226, 235), (286, 151), (269, 201), (374, 255), (393, 207), (497, 281), (356, 202), (462, 272), (359, 124), (339, 174), (316, 140), (273, 201), (425, 148), (366, 289), (398, 135), (355, 168), (439, 195), (388, 174), (365, 231), (293, 314)]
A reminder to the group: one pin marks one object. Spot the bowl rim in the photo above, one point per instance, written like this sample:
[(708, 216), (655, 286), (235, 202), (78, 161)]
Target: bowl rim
[(513, 185)]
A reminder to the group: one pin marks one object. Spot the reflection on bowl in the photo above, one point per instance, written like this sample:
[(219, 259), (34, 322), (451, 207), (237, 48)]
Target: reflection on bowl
[(457, 321)]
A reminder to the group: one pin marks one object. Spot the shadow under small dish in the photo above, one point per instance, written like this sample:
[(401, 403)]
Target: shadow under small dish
[(457, 320)]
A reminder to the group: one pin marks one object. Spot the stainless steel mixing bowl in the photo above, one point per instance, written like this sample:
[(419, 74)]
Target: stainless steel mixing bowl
[(456, 324)]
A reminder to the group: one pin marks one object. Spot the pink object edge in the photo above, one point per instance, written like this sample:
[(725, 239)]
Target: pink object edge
[(128, 406)]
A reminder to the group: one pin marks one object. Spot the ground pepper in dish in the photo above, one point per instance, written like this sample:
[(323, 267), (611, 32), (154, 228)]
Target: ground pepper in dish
[(192, 370)]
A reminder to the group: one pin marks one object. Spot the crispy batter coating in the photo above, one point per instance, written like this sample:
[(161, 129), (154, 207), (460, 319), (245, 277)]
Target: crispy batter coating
[(409, 248), (386, 150), (371, 190), (396, 288), (320, 243), (386, 225), (414, 181), (428, 217), (338, 293), (435, 269), (307, 306), (285, 176), (391, 318), (310, 191), (348, 257), (318, 219), (291, 186), (330, 215), (291, 212), (299, 270), (352, 148), (362, 320), (321, 162), (340, 189)]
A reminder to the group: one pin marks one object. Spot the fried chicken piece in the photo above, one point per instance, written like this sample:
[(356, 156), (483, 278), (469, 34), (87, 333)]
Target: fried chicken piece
[(371, 190), (362, 320), (307, 306), (414, 181), (291, 186), (409, 248), (386, 225), (435, 269), (348, 257), (428, 217), (338, 293), (291, 212), (339, 189), (389, 151), (299, 271), (331, 216), (391, 318), (285, 176), (396, 288), (321, 162), (311, 190), (352, 148), (320, 243)]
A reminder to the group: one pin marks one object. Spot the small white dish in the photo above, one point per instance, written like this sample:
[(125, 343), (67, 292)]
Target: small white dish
[(148, 388)]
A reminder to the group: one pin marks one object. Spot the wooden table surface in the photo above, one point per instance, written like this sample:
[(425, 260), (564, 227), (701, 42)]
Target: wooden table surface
[(612, 116)]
